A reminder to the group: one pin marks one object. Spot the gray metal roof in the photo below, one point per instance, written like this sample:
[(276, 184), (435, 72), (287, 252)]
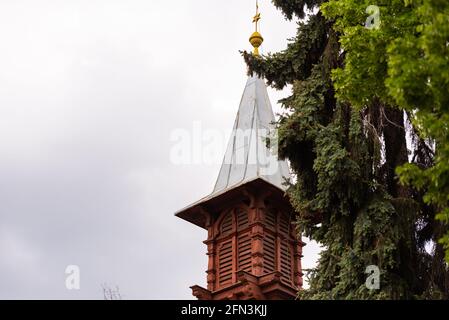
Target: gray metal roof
[(247, 156)]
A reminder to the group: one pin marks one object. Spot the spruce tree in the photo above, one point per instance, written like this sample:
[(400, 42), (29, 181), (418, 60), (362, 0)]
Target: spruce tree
[(344, 150)]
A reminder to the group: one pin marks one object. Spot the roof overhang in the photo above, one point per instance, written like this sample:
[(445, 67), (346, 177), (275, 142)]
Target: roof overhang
[(198, 213)]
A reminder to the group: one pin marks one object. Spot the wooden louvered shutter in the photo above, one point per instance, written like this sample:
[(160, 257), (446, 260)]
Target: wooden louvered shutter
[(242, 219), (284, 224), (243, 242), (269, 247), (244, 248), (286, 260), (225, 263), (270, 220), (226, 225), (285, 250)]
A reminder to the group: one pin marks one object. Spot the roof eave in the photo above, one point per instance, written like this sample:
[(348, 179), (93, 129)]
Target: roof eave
[(195, 213)]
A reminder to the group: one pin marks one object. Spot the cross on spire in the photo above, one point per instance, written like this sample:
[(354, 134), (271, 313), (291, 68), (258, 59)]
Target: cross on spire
[(257, 17), (256, 38)]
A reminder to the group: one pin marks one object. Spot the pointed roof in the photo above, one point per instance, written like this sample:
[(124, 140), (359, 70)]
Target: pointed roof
[(248, 157)]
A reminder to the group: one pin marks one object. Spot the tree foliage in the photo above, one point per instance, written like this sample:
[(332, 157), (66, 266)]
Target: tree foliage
[(418, 80), (345, 133), (405, 63)]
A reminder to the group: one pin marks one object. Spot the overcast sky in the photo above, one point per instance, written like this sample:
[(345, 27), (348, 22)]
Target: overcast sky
[(90, 92)]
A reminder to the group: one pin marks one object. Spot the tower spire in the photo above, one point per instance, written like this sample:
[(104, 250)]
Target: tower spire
[(256, 38)]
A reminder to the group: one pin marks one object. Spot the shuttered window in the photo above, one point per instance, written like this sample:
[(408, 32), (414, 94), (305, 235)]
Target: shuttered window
[(284, 224), (225, 263), (243, 242), (269, 247), (244, 249), (270, 220), (236, 220), (226, 225), (242, 219), (286, 260)]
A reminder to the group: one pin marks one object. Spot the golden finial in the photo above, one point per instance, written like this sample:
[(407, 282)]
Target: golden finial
[(256, 39)]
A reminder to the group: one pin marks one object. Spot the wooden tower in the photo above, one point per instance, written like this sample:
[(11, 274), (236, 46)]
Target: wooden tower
[(252, 246), (253, 249)]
